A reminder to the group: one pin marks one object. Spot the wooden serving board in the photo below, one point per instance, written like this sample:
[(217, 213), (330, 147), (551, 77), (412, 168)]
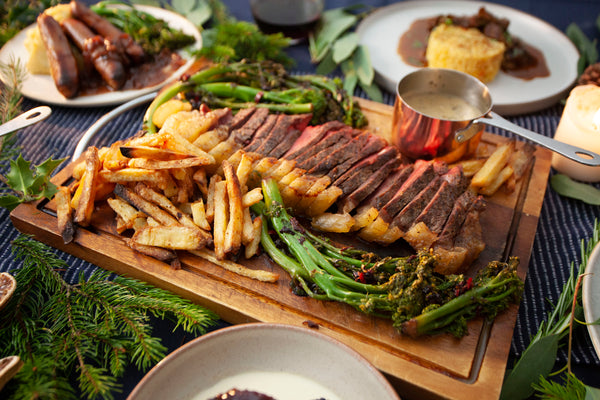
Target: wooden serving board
[(429, 367)]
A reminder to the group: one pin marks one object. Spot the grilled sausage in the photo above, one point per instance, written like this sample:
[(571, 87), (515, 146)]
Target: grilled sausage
[(63, 66), (105, 59), (106, 29)]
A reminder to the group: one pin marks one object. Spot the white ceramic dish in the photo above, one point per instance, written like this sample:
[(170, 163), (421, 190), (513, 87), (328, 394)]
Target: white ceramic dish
[(42, 88), (591, 296), (282, 361), (381, 32)]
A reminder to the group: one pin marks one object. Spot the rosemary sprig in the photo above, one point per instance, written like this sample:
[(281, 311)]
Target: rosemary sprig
[(93, 328), (537, 361), (13, 74)]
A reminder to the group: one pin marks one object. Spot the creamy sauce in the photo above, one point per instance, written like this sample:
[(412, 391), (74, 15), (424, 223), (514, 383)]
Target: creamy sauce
[(280, 385), (442, 106)]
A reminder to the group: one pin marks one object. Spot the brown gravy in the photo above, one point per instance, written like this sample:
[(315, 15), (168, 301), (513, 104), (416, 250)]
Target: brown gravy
[(147, 74), (413, 44)]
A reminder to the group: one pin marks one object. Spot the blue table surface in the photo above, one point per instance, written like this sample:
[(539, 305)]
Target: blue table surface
[(563, 222)]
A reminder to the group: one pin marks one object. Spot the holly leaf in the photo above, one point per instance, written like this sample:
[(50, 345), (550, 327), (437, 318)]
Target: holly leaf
[(27, 183)]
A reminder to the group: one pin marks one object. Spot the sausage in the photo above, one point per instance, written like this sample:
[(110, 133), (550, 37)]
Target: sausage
[(63, 65), (105, 59), (103, 27)]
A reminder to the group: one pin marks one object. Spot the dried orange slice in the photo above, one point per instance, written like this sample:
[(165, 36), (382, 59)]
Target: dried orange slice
[(7, 287), (9, 366)]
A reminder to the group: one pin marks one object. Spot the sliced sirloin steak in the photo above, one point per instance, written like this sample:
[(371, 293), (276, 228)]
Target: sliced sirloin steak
[(261, 133), (279, 133), (244, 134), (327, 159), (332, 141), (405, 218), (310, 137), (384, 192), (373, 145), (240, 118), (363, 169), (298, 126)]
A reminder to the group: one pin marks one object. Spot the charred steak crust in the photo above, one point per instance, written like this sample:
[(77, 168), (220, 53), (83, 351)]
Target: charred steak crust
[(261, 133), (244, 134)]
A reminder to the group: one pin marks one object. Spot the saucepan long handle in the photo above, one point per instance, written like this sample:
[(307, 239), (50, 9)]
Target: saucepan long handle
[(574, 153)]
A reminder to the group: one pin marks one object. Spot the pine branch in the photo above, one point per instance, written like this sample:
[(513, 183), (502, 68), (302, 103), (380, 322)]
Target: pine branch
[(93, 328)]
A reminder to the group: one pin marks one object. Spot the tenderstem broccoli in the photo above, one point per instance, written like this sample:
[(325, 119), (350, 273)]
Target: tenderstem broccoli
[(406, 290)]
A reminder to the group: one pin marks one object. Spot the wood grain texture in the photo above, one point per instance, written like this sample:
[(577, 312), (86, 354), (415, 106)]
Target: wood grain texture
[(430, 367)]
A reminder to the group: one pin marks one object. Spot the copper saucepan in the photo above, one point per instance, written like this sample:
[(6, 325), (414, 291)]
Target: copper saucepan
[(441, 113)]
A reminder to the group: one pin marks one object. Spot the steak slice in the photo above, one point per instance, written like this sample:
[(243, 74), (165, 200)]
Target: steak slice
[(406, 217), (388, 187), (436, 213), (327, 159), (363, 169), (310, 137), (243, 135), (456, 218), (285, 123), (373, 145), (240, 118), (261, 133), (351, 201), (330, 143), (422, 174)]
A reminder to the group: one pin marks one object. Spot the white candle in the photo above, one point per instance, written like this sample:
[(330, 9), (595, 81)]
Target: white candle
[(580, 126)]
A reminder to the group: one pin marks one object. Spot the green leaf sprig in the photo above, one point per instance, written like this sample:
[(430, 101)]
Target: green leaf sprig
[(532, 369), (334, 44), (588, 51), (567, 187)]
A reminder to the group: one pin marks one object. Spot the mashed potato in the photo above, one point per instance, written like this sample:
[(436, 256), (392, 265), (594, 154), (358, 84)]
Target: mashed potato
[(466, 50), (38, 60)]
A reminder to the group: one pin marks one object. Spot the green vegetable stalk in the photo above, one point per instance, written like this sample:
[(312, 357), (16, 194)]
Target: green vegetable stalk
[(263, 84), (404, 289)]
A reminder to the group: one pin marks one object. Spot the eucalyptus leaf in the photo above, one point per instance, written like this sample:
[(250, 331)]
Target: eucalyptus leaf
[(567, 187), (592, 393), (537, 360), (201, 14), (327, 65), (333, 23), (183, 7), (364, 69), (372, 91), (344, 47), (350, 77)]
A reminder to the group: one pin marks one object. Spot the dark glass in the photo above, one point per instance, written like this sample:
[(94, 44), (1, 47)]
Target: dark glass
[(294, 18)]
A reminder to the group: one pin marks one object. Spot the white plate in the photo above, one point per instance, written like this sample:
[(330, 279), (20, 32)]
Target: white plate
[(591, 296), (42, 88), (381, 32), (282, 361)]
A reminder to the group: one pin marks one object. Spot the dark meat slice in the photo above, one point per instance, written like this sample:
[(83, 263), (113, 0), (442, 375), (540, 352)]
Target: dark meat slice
[(106, 61), (243, 135), (327, 159), (330, 143), (261, 133), (373, 145), (349, 202), (363, 169), (388, 187), (63, 66), (406, 217), (240, 118), (310, 137), (284, 125), (422, 174), (436, 213), (470, 236), (107, 30), (457, 216)]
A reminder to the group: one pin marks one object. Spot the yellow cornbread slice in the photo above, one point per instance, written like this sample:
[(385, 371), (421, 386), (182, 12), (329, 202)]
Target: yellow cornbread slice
[(464, 49)]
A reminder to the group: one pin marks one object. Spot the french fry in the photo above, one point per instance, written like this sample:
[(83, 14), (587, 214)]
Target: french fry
[(155, 252), (329, 222), (243, 169), (311, 194), (221, 218), (247, 228), (493, 165), (167, 109), (470, 166), (252, 197), (64, 214), (149, 208), (163, 202), (208, 140), (188, 124), (201, 181), (132, 175), (155, 153), (258, 274), (170, 237), (85, 203), (251, 248), (374, 230), (189, 162), (185, 182), (519, 161), (113, 159), (233, 234), (499, 179), (323, 201), (178, 143), (126, 212), (199, 215), (364, 216), (210, 201)]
